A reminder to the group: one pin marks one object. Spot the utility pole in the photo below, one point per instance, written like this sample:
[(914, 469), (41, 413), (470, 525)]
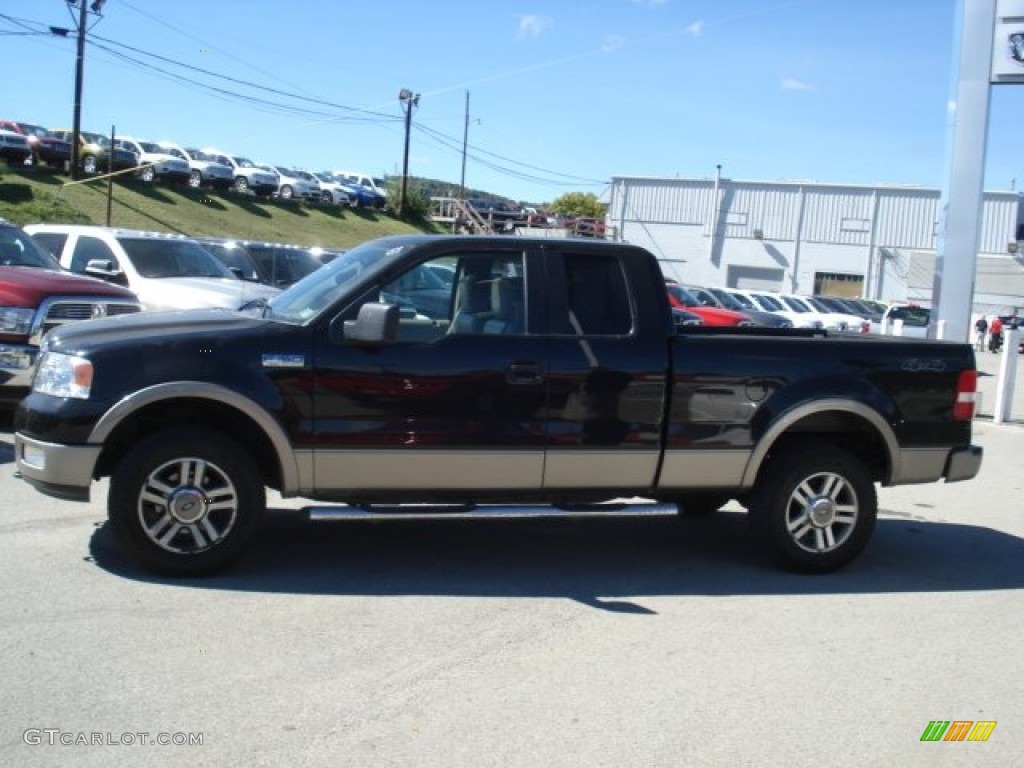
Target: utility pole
[(408, 100), (76, 126), (465, 144)]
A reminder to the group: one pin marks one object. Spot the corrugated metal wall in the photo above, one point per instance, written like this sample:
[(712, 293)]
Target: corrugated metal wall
[(834, 226)]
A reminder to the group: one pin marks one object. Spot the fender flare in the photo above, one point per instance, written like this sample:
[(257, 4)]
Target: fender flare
[(134, 402), (795, 414)]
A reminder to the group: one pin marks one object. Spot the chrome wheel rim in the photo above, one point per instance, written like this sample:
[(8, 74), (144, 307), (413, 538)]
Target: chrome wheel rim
[(187, 505), (822, 513)]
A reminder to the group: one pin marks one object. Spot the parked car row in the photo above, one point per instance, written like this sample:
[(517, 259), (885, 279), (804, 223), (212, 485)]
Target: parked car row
[(781, 310), (172, 163)]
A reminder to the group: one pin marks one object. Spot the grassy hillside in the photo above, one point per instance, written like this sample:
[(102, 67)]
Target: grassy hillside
[(30, 196)]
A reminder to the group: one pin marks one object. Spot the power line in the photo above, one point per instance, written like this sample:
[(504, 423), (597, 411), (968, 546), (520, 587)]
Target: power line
[(247, 83), (110, 47)]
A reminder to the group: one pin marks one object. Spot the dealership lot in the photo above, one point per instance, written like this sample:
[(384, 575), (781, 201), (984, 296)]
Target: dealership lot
[(563, 643)]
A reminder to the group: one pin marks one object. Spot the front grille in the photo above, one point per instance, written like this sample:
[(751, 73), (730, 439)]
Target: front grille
[(58, 311)]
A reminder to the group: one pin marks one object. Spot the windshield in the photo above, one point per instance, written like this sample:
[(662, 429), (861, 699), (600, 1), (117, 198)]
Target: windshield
[(154, 257), (244, 162), (149, 146), (174, 152), (234, 257), (727, 299), (819, 305), (684, 297), (322, 288), (794, 304), (19, 250), (742, 301), (770, 303)]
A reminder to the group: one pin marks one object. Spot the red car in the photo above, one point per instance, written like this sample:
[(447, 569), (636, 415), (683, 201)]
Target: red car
[(45, 148), (680, 298)]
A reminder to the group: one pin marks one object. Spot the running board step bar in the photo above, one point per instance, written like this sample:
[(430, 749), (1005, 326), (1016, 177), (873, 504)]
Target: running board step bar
[(478, 511)]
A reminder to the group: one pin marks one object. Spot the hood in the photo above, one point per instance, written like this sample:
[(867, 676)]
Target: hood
[(28, 286), (198, 323), (170, 293)]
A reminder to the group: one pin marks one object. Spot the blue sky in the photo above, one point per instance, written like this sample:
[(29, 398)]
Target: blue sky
[(563, 94)]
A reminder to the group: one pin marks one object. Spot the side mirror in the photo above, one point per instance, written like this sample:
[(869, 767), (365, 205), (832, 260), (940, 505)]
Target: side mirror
[(375, 325), (102, 268)]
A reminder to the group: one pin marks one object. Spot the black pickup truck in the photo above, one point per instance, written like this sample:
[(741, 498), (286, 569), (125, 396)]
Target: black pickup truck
[(470, 375)]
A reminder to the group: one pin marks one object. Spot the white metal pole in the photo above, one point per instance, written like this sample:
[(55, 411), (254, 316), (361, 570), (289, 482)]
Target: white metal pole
[(1007, 374), (966, 134)]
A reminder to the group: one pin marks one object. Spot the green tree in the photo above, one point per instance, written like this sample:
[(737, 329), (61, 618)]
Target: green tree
[(578, 204)]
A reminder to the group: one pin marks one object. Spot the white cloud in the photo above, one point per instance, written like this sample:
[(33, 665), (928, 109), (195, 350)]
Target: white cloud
[(612, 43), (792, 84), (695, 29), (531, 25)]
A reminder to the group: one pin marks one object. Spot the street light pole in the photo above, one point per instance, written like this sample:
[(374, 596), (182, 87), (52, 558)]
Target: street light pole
[(408, 100)]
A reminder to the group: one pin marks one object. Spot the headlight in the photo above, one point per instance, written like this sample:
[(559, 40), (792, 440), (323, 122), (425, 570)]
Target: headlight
[(16, 320), (63, 375)]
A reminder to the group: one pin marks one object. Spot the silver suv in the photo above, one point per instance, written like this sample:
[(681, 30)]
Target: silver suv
[(248, 175), (203, 171), (154, 162)]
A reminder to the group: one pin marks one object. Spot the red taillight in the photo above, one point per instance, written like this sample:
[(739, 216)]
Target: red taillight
[(966, 395)]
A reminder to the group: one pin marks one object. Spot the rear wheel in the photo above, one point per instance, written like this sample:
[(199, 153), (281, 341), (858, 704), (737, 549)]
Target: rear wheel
[(286, 193), (89, 164), (185, 502), (326, 198), (814, 508), (241, 184), (195, 179), (148, 174)]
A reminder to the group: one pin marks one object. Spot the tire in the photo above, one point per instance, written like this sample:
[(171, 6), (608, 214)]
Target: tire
[(814, 508), (148, 174), (353, 202), (89, 164), (326, 198), (186, 502), (195, 179), (286, 193), (241, 184)]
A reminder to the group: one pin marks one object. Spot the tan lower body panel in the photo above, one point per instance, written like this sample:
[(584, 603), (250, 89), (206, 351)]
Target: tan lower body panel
[(428, 470), (600, 469), (703, 469)]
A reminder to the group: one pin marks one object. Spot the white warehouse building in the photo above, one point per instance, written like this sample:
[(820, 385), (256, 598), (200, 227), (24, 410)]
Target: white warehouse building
[(877, 242)]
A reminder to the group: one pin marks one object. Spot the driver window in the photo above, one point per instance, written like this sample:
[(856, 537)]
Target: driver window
[(464, 294)]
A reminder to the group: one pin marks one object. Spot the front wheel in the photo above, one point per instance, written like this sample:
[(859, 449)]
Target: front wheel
[(241, 184), (185, 502), (286, 193), (148, 174), (814, 508), (195, 179)]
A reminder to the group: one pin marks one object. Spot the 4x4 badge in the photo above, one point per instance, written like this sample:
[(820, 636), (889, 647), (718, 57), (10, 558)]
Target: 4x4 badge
[(283, 361), (99, 310)]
